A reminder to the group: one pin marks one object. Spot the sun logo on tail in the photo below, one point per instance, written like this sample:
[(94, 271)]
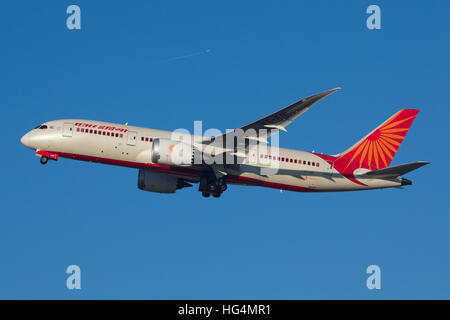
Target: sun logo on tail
[(378, 148)]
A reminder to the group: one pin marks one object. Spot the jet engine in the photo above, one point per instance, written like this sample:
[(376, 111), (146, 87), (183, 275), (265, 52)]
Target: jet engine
[(155, 182), (173, 153)]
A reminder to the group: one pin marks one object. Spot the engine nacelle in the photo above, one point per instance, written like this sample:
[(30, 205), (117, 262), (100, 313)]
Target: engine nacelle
[(172, 153), (155, 182)]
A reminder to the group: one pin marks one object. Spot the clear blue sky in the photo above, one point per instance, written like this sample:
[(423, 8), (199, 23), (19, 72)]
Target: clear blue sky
[(252, 243)]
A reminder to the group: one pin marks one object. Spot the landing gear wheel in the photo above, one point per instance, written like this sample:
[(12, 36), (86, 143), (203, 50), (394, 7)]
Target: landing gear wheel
[(209, 184), (44, 160), (221, 185)]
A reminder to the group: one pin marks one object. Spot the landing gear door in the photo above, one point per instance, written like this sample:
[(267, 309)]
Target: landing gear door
[(67, 130), (131, 138)]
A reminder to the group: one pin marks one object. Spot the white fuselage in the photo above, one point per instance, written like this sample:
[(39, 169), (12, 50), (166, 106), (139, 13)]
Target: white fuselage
[(131, 146)]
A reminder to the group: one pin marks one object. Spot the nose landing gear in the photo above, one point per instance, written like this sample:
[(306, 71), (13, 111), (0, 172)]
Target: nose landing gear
[(46, 155)]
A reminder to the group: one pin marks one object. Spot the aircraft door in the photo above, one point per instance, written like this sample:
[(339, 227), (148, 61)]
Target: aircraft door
[(329, 168), (131, 138), (329, 171), (67, 130)]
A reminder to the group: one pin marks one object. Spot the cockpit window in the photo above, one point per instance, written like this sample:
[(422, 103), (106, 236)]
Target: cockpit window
[(43, 126)]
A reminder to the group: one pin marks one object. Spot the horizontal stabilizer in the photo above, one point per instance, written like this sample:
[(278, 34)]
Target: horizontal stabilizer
[(396, 171)]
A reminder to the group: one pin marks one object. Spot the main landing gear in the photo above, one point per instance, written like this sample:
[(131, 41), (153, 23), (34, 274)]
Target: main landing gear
[(207, 194), (210, 185), (44, 160)]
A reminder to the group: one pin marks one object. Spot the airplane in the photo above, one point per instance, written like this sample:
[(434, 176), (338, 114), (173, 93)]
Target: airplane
[(169, 161)]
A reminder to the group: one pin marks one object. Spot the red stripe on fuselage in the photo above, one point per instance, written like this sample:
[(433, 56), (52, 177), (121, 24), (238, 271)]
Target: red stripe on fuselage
[(137, 165), (187, 173), (333, 162), (246, 181)]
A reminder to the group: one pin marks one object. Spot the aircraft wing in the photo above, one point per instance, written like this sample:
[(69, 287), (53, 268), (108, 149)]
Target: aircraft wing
[(271, 124)]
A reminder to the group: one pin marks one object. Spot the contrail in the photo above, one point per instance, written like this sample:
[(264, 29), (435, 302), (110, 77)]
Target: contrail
[(187, 56)]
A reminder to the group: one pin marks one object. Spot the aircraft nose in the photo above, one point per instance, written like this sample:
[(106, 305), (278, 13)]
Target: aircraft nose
[(25, 140)]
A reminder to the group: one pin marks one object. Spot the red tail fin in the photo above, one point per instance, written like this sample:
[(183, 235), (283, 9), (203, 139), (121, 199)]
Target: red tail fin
[(376, 150)]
